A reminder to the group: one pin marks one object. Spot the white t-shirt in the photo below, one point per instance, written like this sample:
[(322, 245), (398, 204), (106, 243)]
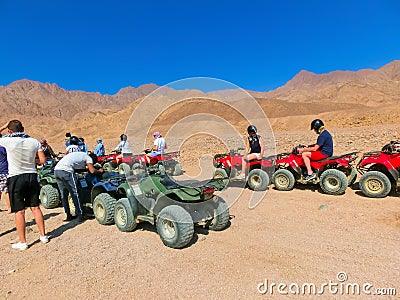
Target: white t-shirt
[(21, 154), (72, 148), (124, 147), (73, 161), (161, 145)]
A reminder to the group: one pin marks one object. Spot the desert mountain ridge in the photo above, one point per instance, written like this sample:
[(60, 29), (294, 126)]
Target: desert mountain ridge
[(342, 98)]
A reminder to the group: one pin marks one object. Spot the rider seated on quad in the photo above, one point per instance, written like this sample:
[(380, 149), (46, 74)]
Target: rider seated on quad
[(254, 149), (159, 145), (322, 149), (47, 150), (123, 148)]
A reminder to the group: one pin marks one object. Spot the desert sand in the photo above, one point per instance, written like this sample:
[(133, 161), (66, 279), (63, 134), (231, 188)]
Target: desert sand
[(301, 236)]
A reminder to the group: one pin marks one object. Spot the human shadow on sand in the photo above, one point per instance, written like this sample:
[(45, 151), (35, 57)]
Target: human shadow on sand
[(30, 223)]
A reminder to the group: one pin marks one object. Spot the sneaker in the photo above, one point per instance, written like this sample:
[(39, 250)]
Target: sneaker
[(44, 239), (310, 177), (241, 176), (81, 218), (20, 246)]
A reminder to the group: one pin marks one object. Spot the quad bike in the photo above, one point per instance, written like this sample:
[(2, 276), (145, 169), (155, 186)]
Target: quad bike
[(258, 174), (380, 171), (333, 174), (108, 162), (154, 197), (168, 162), (50, 195)]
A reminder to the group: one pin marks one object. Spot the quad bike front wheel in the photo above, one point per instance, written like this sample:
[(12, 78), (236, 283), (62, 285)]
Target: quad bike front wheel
[(124, 169), (258, 180), (333, 182), (175, 226), (49, 196), (220, 173), (124, 217), (221, 216), (103, 208), (351, 178), (375, 184), (283, 180)]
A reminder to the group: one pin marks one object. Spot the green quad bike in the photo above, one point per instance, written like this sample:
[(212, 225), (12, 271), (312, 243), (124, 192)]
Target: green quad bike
[(50, 195), (174, 207)]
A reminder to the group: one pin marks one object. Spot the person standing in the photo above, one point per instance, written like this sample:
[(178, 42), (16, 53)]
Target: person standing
[(82, 146), (22, 183), (73, 145), (64, 172), (47, 150), (99, 150), (3, 177)]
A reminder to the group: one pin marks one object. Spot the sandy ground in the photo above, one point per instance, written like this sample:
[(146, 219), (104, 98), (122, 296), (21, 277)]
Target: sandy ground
[(301, 236)]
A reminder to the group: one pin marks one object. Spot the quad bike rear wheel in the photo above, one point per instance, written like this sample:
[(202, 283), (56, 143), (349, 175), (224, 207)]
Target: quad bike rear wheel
[(375, 184), (333, 182), (124, 169), (175, 226), (220, 173), (103, 208), (283, 180), (109, 166), (124, 217), (49, 196), (221, 216), (258, 180)]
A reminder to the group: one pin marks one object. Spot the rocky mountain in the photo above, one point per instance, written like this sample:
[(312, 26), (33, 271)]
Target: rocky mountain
[(365, 87), (342, 98)]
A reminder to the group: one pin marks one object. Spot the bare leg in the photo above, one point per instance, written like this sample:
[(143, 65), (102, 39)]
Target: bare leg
[(37, 214), (245, 159), (20, 225), (306, 158), (7, 199)]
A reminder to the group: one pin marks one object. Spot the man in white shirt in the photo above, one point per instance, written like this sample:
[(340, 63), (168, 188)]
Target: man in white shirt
[(64, 172), (22, 183), (159, 144)]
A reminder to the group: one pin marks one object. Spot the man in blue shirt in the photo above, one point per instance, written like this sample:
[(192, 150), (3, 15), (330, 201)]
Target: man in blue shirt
[(99, 150), (322, 149)]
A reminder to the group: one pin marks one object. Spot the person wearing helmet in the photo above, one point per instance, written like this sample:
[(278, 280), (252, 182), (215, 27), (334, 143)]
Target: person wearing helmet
[(123, 147), (47, 150), (159, 144), (254, 149), (320, 150), (73, 145), (99, 150)]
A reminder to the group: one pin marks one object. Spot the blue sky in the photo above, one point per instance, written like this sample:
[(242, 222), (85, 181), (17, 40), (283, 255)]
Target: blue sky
[(258, 45)]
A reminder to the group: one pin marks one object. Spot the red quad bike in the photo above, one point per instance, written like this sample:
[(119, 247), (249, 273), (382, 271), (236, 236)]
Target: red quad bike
[(168, 162), (259, 171), (334, 173), (109, 161), (380, 171)]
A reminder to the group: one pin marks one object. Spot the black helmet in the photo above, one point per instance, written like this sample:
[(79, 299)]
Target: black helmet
[(74, 140), (123, 137), (251, 129), (316, 124)]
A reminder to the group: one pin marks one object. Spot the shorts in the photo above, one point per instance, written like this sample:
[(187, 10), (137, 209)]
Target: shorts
[(317, 155), (3, 183), (257, 155), (24, 191)]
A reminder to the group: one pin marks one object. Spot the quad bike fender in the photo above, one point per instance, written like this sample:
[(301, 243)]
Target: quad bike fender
[(386, 168), (48, 180), (200, 211)]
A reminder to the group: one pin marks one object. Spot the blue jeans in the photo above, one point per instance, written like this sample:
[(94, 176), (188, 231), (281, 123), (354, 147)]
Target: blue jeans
[(67, 184)]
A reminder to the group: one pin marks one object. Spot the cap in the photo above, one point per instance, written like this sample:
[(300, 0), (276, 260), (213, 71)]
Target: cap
[(99, 139)]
